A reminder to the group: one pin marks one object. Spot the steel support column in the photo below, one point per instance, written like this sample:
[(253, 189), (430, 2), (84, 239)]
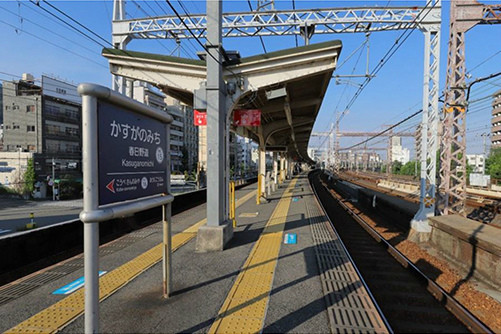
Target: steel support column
[(275, 167), (453, 143), (216, 116), (262, 170), (118, 83), (428, 128)]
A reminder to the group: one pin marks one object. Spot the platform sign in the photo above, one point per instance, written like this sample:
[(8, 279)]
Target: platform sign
[(199, 118), (74, 286), (132, 154), (290, 238), (247, 117)]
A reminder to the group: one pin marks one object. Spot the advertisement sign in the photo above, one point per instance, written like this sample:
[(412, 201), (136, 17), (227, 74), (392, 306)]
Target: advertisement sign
[(199, 118), (247, 117), (132, 154)]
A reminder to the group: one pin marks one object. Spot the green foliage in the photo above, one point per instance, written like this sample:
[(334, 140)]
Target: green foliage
[(396, 166), (29, 178), (493, 163), (410, 168)]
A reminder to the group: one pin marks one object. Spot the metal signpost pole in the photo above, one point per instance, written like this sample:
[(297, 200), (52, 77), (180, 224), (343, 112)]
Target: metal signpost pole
[(166, 226), (91, 229)]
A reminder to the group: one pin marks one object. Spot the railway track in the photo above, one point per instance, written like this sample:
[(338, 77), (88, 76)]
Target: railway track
[(409, 300), (481, 208)]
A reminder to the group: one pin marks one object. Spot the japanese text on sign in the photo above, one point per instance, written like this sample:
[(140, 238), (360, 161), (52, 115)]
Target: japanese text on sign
[(136, 133)]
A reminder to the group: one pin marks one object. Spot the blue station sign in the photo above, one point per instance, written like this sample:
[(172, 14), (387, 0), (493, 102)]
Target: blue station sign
[(133, 154)]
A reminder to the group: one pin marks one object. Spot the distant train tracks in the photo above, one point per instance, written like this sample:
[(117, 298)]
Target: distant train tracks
[(410, 301), (481, 207)]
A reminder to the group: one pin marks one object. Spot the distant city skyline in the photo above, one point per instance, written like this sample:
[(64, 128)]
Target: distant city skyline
[(395, 93)]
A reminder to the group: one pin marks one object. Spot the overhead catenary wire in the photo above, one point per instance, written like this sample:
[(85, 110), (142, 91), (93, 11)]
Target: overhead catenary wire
[(260, 37), (53, 44), (388, 55), (86, 35), (46, 29), (75, 21), (195, 37)]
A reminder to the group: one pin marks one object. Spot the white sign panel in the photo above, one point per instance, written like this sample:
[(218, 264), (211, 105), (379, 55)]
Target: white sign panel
[(60, 89)]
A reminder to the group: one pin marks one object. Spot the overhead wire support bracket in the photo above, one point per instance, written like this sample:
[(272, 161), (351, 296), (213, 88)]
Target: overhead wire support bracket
[(279, 22)]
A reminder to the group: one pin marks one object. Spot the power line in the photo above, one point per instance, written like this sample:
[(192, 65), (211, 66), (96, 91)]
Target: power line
[(49, 30), (386, 130), (195, 37), (260, 37), (393, 49), (53, 44), (69, 25), (81, 25)]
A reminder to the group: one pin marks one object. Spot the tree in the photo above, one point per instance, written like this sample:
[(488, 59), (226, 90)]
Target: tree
[(29, 178), (396, 167), (410, 168), (493, 163)]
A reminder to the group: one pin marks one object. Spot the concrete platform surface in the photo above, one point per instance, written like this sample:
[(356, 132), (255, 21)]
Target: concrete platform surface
[(288, 288)]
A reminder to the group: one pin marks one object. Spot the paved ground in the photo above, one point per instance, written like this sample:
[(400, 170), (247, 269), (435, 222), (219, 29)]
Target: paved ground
[(15, 213), (201, 281)]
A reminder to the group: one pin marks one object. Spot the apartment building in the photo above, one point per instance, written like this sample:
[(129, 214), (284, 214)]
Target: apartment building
[(496, 120), (45, 120)]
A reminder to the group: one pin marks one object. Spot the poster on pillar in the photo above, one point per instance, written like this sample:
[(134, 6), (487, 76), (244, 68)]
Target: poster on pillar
[(199, 118), (247, 117)]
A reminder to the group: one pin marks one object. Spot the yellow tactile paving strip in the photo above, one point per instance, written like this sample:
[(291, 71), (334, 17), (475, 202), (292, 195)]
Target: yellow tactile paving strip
[(244, 309), (63, 312)]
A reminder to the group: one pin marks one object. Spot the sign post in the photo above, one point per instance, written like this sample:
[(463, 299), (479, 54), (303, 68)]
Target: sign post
[(125, 170)]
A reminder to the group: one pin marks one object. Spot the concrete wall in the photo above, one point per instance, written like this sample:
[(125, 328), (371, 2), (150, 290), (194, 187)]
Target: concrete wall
[(472, 247), (12, 166)]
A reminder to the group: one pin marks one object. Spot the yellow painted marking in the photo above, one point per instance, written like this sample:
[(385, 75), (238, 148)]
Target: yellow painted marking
[(63, 312), (244, 309)]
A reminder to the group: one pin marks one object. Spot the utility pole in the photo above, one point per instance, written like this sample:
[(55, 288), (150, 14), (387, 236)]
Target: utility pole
[(53, 180)]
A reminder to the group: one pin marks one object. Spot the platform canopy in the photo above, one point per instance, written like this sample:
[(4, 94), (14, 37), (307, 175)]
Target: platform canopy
[(288, 87)]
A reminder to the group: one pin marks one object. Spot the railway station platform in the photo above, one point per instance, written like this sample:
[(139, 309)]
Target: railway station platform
[(285, 270)]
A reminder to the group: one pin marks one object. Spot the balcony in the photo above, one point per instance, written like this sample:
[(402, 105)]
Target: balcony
[(495, 129), (495, 138), (496, 119)]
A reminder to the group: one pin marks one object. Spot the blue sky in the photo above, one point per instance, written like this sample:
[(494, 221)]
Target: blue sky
[(395, 93)]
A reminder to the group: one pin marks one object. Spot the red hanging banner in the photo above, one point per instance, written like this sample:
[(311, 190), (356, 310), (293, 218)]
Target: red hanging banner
[(247, 117), (199, 118)]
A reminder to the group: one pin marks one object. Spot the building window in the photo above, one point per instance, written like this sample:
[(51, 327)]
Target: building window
[(15, 127), (30, 128), (30, 108)]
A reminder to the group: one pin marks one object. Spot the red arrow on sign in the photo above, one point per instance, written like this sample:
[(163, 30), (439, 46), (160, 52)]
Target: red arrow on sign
[(111, 186)]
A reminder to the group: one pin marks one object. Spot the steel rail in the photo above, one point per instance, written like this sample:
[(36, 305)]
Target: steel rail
[(464, 315)]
